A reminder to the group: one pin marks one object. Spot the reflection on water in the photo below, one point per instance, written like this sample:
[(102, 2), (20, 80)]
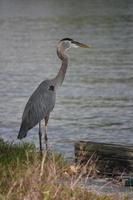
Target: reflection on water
[(96, 99)]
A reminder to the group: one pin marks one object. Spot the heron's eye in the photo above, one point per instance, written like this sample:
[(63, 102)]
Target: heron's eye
[(51, 87)]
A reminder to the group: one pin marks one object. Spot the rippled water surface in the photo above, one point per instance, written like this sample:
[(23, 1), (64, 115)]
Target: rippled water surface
[(96, 99)]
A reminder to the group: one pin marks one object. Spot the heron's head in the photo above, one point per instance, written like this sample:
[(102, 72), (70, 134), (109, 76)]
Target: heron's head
[(68, 43)]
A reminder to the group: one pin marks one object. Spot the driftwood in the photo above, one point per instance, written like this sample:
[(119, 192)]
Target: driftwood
[(110, 159)]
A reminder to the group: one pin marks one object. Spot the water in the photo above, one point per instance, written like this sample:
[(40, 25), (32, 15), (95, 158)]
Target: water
[(96, 99)]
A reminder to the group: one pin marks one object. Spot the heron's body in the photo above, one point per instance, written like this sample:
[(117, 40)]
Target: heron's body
[(42, 101), (38, 107)]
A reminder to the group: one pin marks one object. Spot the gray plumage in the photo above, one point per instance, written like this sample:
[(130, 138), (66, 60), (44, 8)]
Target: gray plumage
[(39, 106), (42, 101)]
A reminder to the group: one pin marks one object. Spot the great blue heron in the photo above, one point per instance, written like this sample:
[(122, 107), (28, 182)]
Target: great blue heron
[(42, 101)]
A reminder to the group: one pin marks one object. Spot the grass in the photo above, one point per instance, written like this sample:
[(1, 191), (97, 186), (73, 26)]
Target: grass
[(24, 175)]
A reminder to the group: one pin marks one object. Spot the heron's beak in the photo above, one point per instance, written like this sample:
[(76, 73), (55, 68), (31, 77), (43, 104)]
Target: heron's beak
[(78, 44)]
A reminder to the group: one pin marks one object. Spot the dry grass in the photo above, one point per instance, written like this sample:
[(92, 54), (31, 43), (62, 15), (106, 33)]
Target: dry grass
[(26, 176)]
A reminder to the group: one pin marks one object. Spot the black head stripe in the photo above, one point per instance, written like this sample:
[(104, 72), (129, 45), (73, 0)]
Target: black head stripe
[(67, 39)]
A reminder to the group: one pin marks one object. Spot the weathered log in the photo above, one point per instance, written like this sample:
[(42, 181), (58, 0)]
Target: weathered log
[(110, 159)]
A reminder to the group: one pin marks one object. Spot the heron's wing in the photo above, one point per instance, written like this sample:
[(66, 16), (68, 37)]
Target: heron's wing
[(39, 105)]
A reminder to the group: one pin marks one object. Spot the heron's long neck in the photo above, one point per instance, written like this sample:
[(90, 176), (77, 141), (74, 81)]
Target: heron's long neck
[(62, 71)]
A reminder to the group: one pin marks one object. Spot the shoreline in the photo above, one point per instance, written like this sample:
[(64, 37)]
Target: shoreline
[(25, 175)]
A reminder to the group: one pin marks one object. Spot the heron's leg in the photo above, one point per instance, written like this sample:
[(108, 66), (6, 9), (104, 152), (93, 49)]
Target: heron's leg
[(40, 137), (46, 124)]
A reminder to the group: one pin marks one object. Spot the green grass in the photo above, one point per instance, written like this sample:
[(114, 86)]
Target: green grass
[(10, 153), (24, 175)]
